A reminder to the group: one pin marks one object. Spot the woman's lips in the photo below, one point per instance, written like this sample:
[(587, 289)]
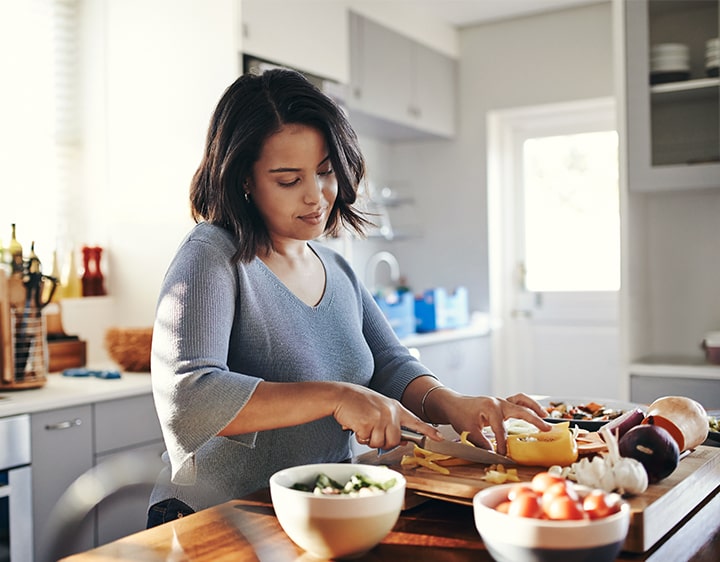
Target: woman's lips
[(313, 218)]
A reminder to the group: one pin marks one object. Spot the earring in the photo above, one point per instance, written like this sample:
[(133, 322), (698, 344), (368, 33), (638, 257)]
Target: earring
[(247, 197)]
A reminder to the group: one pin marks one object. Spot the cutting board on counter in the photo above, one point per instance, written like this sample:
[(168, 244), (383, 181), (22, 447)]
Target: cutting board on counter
[(653, 513)]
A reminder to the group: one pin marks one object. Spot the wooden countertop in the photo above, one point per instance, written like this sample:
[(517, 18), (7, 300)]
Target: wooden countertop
[(434, 530)]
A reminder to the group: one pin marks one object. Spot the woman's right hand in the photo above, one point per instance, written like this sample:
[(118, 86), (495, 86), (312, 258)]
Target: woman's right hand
[(376, 419)]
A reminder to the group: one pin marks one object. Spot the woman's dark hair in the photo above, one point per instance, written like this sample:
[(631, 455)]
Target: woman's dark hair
[(252, 109)]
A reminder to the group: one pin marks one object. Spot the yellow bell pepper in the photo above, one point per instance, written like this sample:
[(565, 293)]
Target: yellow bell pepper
[(544, 448)]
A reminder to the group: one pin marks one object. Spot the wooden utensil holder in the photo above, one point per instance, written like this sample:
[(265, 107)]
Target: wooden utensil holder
[(24, 349)]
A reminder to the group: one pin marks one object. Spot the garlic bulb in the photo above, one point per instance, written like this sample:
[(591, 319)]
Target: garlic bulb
[(613, 472)]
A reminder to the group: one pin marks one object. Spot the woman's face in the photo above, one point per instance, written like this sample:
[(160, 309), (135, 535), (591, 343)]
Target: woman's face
[(294, 186)]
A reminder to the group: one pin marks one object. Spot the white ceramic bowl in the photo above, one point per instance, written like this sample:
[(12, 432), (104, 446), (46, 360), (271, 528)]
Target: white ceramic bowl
[(336, 526), (510, 538)]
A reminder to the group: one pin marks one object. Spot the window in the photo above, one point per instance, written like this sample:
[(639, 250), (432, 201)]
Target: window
[(39, 137), (571, 186)]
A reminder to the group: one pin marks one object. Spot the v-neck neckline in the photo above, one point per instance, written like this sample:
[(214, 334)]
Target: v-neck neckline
[(287, 290)]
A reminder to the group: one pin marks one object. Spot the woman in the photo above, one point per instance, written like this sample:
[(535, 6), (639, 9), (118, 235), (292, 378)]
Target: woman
[(267, 350)]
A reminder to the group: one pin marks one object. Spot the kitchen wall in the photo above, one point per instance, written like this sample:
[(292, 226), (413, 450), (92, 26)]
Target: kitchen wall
[(155, 71), (560, 56), (555, 57), (158, 68)]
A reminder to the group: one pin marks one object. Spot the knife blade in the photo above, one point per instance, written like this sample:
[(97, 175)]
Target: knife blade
[(456, 448)]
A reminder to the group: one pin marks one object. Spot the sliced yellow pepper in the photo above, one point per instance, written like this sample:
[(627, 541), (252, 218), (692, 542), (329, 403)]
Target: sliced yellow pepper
[(544, 448)]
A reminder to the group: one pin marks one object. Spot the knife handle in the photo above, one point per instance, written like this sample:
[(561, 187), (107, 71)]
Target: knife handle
[(411, 436), (406, 435)]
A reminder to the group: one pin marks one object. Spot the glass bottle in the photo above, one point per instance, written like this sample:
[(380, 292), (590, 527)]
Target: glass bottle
[(56, 276), (71, 284), (16, 253)]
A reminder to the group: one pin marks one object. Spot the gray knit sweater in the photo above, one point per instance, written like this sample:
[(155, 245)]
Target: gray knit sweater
[(221, 329)]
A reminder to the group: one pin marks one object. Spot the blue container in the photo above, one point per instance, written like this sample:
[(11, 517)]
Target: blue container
[(399, 309), (437, 309)]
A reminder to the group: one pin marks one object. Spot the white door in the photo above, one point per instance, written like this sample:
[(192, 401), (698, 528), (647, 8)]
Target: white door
[(555, 250)]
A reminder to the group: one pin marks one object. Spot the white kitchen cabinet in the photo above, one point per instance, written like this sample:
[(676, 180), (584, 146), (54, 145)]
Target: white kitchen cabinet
[(462, 364), (673, 129), (399, 88), (61, 451), (66, 443), (309, 35), (127, 425), (645, 389), (670, 183)]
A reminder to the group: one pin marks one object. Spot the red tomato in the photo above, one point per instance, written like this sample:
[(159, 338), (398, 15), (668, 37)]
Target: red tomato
[(518, 489), (543, 480), (526, 505), (559, 489), (596, 505), (564, 508), (503, 507)]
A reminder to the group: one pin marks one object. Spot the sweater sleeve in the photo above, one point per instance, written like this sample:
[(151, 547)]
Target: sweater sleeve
[(195, 393)]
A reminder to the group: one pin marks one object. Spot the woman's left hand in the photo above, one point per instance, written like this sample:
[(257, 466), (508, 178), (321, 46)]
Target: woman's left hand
[(473, 413)]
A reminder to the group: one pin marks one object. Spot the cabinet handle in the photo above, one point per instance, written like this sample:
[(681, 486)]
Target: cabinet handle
[(357, 92), (64, 424)]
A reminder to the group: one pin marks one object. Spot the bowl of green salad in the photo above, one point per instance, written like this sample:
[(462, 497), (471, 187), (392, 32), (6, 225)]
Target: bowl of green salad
[(337, 510)]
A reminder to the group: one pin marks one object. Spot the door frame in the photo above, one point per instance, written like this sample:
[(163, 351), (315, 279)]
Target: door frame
[(504, 129)]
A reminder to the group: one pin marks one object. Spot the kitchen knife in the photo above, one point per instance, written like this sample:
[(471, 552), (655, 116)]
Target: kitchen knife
[(456, 449)]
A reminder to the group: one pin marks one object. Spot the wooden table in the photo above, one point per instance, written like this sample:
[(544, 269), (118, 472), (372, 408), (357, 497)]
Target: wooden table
[(433, 530)]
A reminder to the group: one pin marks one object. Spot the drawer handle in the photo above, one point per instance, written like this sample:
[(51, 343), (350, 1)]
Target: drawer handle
[(64, 424)]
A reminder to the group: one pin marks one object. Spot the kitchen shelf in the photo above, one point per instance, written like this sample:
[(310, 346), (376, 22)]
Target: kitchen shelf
[(685, 90)]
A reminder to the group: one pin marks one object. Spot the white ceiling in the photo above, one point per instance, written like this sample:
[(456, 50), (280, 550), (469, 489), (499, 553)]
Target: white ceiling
[(468, 12)]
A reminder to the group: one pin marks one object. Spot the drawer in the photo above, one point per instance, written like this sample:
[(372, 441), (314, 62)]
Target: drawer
[(126, 422), (645, 389)]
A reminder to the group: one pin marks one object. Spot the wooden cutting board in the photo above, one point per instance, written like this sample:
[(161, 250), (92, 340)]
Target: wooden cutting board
[(653, 513)]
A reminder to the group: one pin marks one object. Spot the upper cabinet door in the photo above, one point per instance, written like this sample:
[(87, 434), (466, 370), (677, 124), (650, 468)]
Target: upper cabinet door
[(399, 88), (381, 72), (672, 125), (435, 80), (309, 35)]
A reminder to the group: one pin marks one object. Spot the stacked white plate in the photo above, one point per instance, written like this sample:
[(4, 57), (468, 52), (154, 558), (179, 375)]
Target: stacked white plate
[(712, 56), (669, 62)]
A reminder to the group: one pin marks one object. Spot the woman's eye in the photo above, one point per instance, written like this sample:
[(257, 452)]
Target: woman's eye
[(288, 183), (327, 172)]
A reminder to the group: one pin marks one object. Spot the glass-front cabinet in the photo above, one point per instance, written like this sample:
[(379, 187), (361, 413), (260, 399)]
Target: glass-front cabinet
[(671, 54), (668, 94)]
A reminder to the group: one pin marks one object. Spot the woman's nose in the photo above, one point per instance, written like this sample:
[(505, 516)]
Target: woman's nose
[(314, 190)]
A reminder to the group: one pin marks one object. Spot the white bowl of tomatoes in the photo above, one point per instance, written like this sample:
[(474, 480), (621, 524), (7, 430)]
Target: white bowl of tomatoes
[(550, 519)]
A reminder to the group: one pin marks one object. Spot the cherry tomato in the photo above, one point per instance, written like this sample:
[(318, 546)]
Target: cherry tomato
[(557, 490), (564, 508), (597, 504), (543, 480), (518, 489), (503, 507), (526, 504)]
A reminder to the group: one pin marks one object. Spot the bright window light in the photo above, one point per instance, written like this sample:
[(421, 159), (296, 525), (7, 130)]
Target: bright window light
[(572, 217)]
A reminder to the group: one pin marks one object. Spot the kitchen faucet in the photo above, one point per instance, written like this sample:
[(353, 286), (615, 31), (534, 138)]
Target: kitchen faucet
[(372, 267)]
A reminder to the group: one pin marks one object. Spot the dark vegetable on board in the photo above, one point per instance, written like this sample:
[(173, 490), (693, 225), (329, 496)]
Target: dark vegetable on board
[(654, 447), (620, 425)]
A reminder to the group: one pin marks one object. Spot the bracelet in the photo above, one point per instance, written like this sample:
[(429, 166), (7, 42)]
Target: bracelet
[(424, 398)]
